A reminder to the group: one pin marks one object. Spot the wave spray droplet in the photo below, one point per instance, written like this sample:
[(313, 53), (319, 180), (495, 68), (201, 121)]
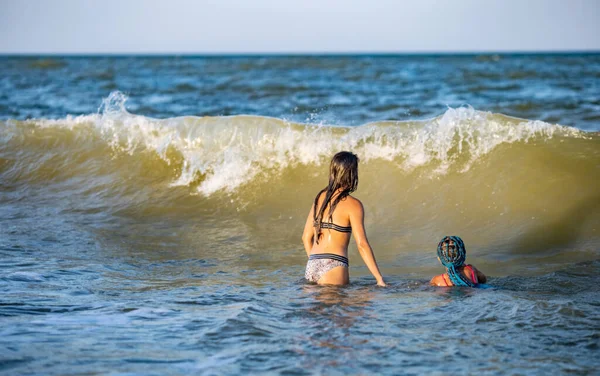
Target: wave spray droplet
[(113, 104)]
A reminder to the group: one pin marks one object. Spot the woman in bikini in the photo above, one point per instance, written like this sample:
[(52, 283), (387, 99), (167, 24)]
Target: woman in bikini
[(333, 217), (452, 254)]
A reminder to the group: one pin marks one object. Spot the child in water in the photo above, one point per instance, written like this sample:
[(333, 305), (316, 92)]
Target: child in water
[(452, 254)]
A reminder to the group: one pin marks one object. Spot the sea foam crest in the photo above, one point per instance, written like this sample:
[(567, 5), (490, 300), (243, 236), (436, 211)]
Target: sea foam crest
[(227, 152)]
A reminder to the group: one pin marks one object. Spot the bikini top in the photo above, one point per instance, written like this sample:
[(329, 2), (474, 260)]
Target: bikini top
[(333, 226)]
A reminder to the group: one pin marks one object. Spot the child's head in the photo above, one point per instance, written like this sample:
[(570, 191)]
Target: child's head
[(451, 251)]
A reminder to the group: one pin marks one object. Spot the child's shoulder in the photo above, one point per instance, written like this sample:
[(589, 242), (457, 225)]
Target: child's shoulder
[(474, 274), (439, 280)]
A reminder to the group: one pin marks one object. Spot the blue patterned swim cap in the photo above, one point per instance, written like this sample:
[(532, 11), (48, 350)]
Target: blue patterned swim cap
[(452, 254)]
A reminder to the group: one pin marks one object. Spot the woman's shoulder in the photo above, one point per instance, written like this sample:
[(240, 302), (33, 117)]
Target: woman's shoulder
[(352, 205), (351, 200)]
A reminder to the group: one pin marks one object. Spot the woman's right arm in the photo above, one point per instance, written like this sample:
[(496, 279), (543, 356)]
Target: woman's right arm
[(357, 221), (309, 232)]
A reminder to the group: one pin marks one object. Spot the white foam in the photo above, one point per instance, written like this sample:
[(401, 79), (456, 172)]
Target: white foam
[(231, 151)]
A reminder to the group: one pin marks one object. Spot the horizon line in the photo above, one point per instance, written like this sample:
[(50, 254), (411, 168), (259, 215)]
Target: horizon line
[(298, 54)]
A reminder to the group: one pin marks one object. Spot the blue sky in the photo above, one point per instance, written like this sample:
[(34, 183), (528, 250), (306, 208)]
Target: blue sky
[(307, 26)]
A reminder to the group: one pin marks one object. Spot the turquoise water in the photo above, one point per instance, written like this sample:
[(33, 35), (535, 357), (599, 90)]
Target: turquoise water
[(147, 227)]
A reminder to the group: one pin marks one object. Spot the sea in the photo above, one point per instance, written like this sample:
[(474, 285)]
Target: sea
[(152, 207)]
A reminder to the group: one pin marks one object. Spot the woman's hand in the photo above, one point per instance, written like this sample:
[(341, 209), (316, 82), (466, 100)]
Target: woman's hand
[(381, 283)]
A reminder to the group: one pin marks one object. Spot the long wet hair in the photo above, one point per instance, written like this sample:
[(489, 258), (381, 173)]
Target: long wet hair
[(343, 173), (453, 256)]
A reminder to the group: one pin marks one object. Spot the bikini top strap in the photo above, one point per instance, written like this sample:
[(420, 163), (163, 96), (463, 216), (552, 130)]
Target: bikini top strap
[(444, 278), (473, 274)]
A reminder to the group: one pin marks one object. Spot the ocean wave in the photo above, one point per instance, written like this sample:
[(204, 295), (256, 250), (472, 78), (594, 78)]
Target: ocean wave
[(512, 186), (224, 153)]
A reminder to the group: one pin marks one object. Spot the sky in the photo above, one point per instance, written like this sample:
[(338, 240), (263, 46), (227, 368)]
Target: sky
[(291, 26)]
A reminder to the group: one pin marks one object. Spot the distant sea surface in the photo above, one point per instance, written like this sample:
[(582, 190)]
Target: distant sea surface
[(151, 210)]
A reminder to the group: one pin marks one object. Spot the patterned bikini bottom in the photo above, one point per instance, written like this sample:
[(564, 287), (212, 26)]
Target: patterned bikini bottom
[(321, 263)]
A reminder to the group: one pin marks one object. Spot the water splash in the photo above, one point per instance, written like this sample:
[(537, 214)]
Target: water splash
[(114, 104)]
